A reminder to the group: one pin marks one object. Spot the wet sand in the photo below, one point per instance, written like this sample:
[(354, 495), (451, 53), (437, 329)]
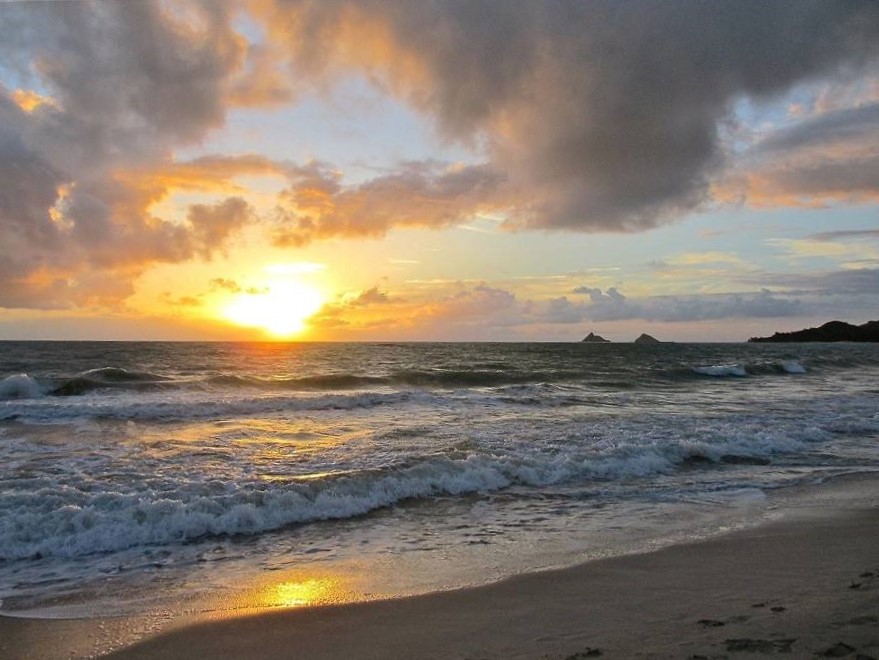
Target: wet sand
[(801, 586)]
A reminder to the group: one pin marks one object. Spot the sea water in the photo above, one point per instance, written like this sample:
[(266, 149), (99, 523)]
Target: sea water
[(139, 477)]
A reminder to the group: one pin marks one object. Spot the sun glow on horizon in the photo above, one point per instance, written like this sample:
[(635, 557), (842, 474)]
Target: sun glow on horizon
[(281, 309)]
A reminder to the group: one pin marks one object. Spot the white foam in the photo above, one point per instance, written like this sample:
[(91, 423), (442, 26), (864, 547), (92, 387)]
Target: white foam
[(793, 367)]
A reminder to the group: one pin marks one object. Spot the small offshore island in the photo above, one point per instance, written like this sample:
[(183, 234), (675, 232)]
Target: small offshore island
[(592, 338), (830, 332)]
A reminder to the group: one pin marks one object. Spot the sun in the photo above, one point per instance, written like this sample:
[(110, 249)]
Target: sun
[(280, 309)]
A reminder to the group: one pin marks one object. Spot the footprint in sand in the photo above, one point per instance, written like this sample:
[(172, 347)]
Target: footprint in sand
[(838, 650), (863, 620), (717, 623), (588, 652), (760, 645)]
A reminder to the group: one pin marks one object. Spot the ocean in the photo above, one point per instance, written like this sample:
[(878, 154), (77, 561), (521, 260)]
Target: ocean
[(140, 478)]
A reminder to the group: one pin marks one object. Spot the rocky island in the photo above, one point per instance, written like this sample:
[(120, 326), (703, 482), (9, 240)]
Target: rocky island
[(592, 338), (831, 331)]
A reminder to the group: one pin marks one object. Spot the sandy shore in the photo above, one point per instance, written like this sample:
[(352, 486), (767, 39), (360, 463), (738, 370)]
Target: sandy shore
[(804, 585)]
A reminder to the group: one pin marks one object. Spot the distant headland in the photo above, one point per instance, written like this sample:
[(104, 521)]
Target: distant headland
[(831, 331)]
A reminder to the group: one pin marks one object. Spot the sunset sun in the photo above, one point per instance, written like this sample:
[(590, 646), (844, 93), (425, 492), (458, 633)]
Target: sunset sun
[(281, 309)]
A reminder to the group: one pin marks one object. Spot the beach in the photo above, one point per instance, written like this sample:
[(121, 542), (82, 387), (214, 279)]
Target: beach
[(804, 583)]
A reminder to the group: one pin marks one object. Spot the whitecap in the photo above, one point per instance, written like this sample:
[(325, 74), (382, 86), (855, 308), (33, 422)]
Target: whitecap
[(793, 367)]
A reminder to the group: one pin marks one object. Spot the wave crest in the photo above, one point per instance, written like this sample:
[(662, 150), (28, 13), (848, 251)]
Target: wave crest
[(20, 386)]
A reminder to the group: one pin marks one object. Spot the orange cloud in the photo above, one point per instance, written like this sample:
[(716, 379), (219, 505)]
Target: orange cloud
[(208, 174), (29, 100), (317, 206)]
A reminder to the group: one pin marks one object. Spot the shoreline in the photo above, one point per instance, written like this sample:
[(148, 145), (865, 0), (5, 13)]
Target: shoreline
[(784, 586)]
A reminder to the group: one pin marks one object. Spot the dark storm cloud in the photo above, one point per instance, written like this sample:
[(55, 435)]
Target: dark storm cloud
[(601, 114)]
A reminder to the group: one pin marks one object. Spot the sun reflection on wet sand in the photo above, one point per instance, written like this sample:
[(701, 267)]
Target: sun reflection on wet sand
[(297, 590), (307, 592)]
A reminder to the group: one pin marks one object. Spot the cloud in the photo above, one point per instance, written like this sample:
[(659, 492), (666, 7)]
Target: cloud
[(180, 301), (211, 225), (225, 284), (830, 158), (614, 306), (107, 90), (454, 310), (129, 78), (213, 173), (316, 205), (350, 306), (848, 294), (849, 130), (845, 253), (851, 282), (612, 297), (598, 115), (371, 296), (705, 258), (845, 234)]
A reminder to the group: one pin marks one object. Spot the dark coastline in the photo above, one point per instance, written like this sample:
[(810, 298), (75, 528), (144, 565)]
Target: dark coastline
[(832, 331)]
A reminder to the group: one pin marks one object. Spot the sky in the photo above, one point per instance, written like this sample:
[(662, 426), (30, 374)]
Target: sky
[(437, 170)]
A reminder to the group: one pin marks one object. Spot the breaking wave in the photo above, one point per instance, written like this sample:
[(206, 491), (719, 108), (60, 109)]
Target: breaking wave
[(20, 386), (66, 521)]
